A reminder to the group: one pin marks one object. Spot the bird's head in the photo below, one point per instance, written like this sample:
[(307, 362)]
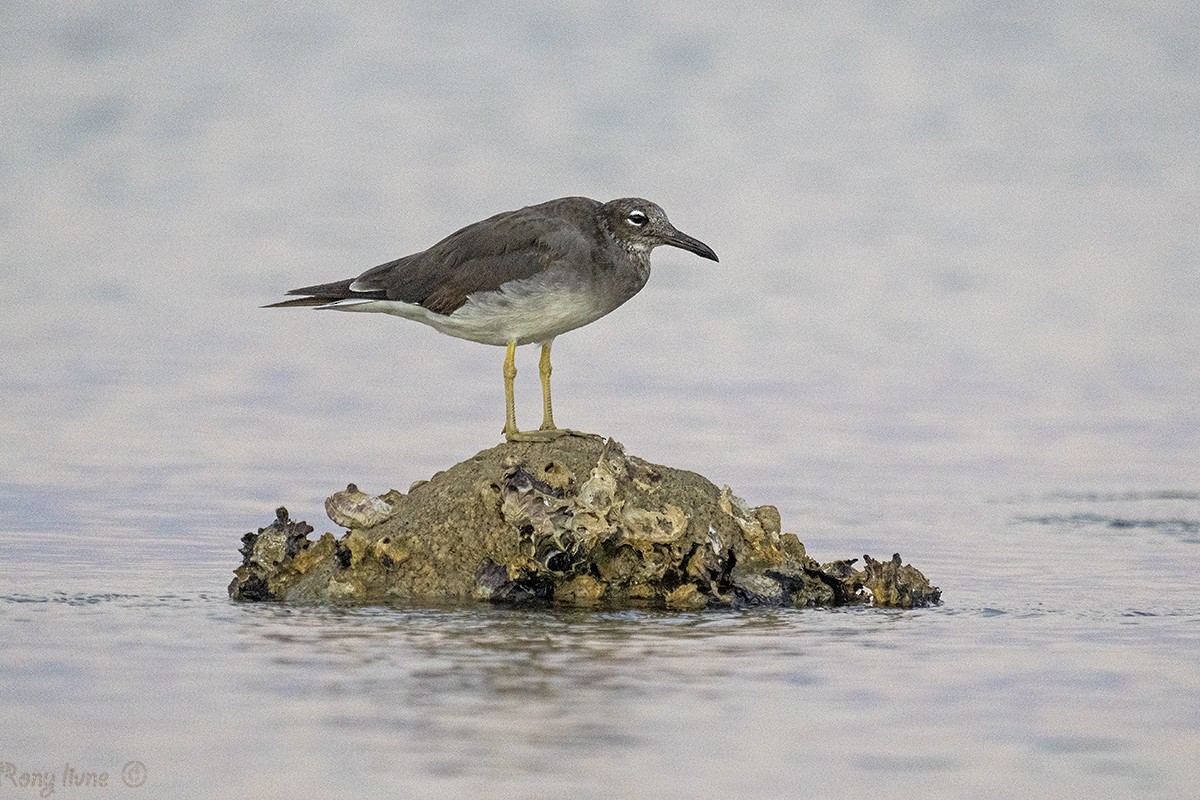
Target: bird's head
[(640, 226)]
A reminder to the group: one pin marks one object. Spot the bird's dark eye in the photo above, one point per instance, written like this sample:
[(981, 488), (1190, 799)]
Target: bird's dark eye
[(637, 218)]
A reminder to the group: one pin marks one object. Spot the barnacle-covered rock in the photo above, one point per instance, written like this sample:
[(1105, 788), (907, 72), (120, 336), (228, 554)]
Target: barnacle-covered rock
[(574, 521), (356, 509)]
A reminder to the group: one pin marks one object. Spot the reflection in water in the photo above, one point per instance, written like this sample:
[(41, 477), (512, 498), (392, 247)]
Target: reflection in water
[(504, 691)]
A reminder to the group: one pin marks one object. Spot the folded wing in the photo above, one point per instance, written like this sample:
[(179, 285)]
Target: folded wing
[(478, 258)]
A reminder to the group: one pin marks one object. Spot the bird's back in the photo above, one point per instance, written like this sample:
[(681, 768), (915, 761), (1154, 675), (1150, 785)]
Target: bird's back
[(485, 255)]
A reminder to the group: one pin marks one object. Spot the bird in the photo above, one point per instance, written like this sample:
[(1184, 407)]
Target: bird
[(518, 277)]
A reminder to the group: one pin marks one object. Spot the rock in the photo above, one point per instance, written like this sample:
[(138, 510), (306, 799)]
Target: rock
[(355, 509), (574, 522), (895, 584)]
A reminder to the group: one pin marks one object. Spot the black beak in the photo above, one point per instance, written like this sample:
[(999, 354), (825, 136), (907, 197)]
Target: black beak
[(692, 245)]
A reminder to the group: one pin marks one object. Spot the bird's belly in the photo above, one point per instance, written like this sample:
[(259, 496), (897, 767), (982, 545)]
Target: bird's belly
[(523, 314), (524, 311)]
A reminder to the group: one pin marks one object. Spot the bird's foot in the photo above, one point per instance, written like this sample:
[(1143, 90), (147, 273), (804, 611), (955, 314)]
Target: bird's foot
[(569, 432), (534, 436), (547, 435)]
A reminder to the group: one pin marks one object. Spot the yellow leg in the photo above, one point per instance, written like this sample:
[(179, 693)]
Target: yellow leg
[(548, 432), (510, 404), (544, 369)]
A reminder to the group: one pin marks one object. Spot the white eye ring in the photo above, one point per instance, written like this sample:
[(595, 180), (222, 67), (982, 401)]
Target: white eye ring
[(637, 217)]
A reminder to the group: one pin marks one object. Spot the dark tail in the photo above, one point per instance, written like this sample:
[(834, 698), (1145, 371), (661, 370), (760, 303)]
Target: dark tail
[(324, 293), (301, 301)]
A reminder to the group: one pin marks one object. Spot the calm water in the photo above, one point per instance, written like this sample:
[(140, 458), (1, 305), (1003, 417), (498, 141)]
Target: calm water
[(955, 317)]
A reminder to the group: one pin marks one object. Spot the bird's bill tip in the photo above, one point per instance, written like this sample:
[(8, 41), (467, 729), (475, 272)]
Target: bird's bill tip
[(692, 245)]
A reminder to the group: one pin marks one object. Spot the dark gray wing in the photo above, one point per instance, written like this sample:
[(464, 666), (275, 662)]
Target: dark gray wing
[(481, 257), (485, 255)]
